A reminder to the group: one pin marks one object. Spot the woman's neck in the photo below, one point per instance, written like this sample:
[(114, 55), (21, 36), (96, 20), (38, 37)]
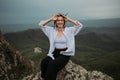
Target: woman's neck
[(60, 29)]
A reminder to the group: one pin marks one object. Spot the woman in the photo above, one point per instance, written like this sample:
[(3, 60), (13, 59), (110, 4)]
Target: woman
[(62, 44)]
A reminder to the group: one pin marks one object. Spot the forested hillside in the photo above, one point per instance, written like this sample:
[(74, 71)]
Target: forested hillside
[(94, 49)]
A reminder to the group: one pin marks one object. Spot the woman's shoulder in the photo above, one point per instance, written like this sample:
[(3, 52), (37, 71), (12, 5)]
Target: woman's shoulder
[(69, 27), (48, 27)]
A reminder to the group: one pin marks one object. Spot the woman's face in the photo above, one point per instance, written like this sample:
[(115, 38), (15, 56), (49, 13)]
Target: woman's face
[(60, 22)]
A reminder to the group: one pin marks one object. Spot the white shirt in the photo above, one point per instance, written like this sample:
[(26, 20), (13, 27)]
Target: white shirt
[(69, 33)]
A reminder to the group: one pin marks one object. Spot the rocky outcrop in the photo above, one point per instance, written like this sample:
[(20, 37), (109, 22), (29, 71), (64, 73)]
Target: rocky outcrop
[(12, 65), (73, 71), (15, 67)]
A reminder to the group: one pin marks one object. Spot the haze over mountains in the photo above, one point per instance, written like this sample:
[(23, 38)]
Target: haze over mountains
[(6, 28), (97, 45)]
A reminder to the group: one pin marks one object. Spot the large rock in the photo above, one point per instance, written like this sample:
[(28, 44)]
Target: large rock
[(12, 65), (73, 71)]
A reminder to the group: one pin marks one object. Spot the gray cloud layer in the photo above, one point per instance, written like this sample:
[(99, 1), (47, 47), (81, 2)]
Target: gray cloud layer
[(23, 11)]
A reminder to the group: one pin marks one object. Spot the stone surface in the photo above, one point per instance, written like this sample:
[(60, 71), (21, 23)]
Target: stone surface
[(37, 50), (73, 71), (12, 65)]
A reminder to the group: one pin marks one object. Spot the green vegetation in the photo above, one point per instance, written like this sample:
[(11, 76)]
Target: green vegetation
[(94, 50), (109, 64)]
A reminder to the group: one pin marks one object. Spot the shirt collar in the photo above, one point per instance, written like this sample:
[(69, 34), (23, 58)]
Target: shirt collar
[(57, 29)]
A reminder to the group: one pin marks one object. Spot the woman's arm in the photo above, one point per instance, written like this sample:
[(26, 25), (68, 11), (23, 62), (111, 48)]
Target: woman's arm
[(73, 22), (77, 26), (43, 23), (53, 18)]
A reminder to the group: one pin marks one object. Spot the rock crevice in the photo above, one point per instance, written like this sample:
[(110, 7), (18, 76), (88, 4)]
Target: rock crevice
[(73, 71)]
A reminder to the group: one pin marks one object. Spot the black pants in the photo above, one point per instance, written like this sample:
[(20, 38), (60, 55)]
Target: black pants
[(50, 67)]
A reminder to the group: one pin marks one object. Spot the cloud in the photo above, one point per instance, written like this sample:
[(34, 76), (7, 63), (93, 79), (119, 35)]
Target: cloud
[(30, 10)]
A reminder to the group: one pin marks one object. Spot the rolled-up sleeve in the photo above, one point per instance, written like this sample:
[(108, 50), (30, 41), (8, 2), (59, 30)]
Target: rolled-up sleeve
[(76, 29), (46, 29)]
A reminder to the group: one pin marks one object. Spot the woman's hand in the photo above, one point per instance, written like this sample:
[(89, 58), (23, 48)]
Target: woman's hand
[(54, 17), (65, 18)]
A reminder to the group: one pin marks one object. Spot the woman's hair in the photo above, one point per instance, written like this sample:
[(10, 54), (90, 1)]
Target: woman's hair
[(60, 15)]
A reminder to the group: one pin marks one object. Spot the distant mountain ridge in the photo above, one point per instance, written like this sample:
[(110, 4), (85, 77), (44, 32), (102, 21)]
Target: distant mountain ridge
[(102, 22), (6, 28)]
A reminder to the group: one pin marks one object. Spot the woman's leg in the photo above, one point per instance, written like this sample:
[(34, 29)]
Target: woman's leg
[(44, 65), (55, 66)]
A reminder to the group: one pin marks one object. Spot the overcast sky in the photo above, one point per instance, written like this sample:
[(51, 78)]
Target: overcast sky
[(31, 11)]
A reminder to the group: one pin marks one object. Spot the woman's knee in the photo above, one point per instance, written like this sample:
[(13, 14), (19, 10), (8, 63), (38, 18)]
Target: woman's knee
[(46, 60), (52, 64)]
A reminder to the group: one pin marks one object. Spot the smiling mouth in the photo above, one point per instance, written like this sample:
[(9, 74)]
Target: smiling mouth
[(60, 23)]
